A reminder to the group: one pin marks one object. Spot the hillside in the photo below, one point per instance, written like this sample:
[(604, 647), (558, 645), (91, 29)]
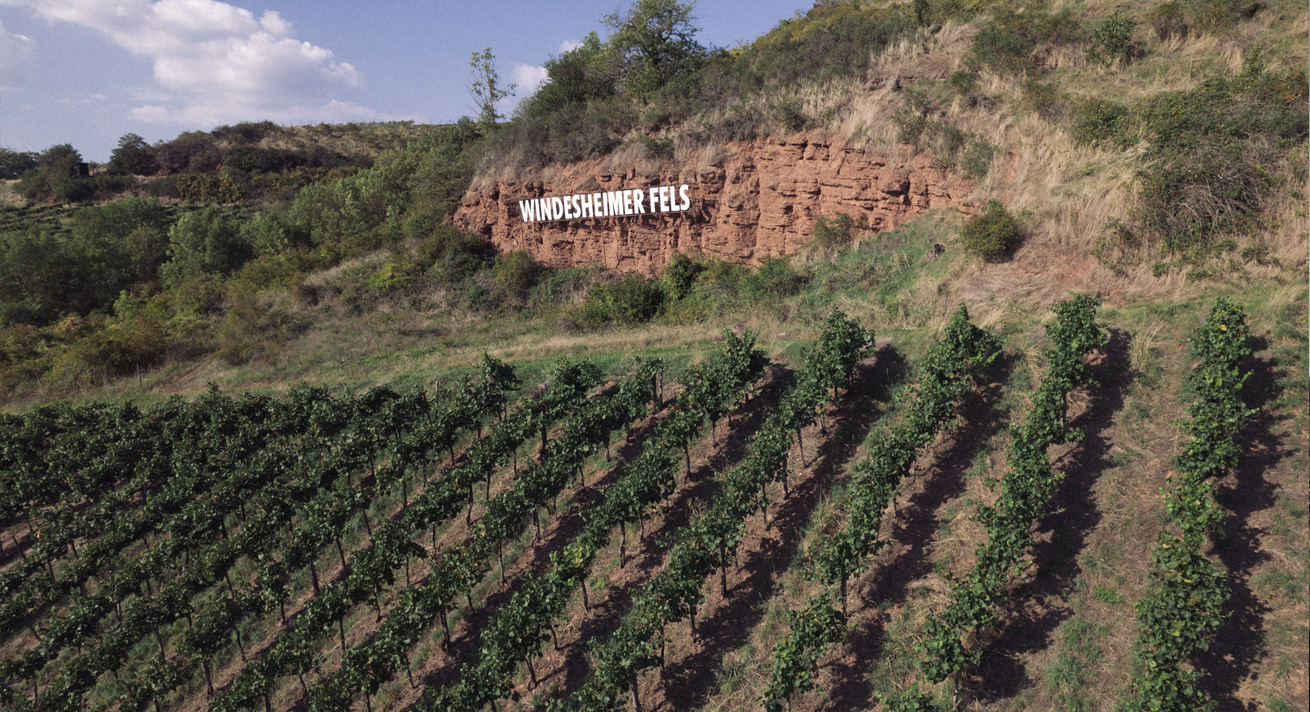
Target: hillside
[(973, 375)]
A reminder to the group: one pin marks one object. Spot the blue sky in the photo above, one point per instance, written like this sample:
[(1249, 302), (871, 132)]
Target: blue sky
[(88, 71)]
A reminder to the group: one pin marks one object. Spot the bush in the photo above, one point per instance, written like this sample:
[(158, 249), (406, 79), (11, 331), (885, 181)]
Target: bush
[(773, 280), (268, 233), (1043, 99), (452, 256), (203, 242), (834, 231), (191, 152), (1097, 122), (1113, 39), (133, 156), (1003, 49), (910, 126), (680, 276), (1216, 16), (630, 301), (977, 159), (516, 272), (1167, 20), (992, 235), (1210, 150)]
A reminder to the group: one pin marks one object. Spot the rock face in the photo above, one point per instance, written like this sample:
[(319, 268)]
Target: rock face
[(760, 200)]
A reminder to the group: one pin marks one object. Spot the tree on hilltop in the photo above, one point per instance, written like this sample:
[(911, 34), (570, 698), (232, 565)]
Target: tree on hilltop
[(654, 43)]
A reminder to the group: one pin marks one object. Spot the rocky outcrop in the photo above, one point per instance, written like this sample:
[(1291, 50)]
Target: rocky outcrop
[(760, 200)]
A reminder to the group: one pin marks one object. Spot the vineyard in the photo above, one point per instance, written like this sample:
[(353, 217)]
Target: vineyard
[(730, 532)]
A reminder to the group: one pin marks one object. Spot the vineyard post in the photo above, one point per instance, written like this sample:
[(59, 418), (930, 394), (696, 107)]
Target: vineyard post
[(636, 699)]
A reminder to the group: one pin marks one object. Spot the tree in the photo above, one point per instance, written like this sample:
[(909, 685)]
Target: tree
[(55, 176), (132, 157), (202, 242), (654, 44), (486, 87), (584, 73), (14, 163)]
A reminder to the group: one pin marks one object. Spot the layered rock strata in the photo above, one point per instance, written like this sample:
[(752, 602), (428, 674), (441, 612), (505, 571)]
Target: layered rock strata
[(760, 200)]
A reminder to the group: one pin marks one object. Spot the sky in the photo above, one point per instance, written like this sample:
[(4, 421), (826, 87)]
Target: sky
[(86, 72)]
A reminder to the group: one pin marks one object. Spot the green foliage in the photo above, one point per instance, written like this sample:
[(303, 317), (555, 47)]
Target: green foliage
[(581, 75), (1167, 20), (795, 658), (132, 156), (203, 242), (1043, 99), (55, 177), (190, 152), (1113, 40), (516, 272), (949, 647), (268, 233), (1006, 44), (709, 541), (1218, 16), (921, 12), (452, 256), (833, 39), (680, 276), (1101, 123), (629, 301), (211, 188), (1185, 605), (944, 380), (1210, 152), (653, 44), (486, 87), (833, 231), (14, 164), (992, 235), (976, 161)]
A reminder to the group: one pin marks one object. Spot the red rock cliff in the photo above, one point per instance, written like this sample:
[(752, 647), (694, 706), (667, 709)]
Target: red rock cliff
[(760, 200)]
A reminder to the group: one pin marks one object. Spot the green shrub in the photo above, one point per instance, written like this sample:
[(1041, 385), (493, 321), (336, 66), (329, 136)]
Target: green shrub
[(1043, 99), (1168, 20), (203, 242), (1003, 49), (992, 235), (1102, 123), (680, 276), (1217, 16), (1113, 39), (1210, 152), (774, 279), (910, 126), (516, 272), (629, 301), (977, 159), (964, 81), (451, 255), (833, 231), (790, 115)]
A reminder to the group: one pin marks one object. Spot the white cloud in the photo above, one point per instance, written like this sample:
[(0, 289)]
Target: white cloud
[(217, 63), (527, 78), (569, 46), (17, 54)]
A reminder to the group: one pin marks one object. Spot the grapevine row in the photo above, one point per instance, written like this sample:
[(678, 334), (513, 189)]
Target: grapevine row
[(709, 542), (1026, 492), (583, 432), (943, 382), (1184, 607), (518, 631)]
